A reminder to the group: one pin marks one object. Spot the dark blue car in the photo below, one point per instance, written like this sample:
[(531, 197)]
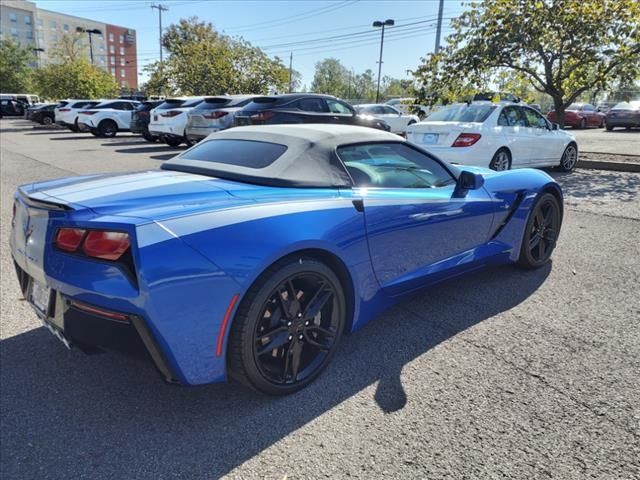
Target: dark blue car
[(251, 254)]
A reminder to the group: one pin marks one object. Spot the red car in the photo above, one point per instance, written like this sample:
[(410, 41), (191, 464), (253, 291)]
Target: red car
[(580, 115)]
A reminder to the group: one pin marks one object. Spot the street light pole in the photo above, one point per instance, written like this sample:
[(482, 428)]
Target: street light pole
[(90, 32), (389, 22)]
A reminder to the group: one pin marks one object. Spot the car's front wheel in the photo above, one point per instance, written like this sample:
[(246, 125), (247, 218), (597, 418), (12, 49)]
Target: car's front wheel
[(541, 232), (287, 327), (173, 142), (107, 128), (569, 159), (47, 121)]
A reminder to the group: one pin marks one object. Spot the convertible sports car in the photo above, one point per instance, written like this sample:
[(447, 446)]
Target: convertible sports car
[(251, 253)]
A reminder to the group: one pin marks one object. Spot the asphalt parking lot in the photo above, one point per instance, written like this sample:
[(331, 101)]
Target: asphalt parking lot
[(503, 374), (618, 141)]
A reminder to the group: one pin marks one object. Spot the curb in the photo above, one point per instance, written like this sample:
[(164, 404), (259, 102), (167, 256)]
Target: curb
[(606, 165)]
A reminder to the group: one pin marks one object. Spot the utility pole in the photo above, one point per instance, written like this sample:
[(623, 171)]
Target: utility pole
[(389, 22), (439, 26), (89, 32), (290, 72), (161, 8)]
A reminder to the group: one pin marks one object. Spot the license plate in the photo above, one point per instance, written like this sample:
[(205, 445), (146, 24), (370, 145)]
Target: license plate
[(430, 138), (40, 297)]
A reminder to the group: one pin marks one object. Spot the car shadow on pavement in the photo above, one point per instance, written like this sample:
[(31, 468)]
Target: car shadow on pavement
[(72, 415), (581, 184), (150, 149)]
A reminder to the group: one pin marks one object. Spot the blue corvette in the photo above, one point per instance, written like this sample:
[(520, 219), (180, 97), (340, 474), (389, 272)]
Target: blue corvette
[(251, 254)]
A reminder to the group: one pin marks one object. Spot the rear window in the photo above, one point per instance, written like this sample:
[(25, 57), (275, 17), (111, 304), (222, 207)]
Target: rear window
[(170, 104), (84, 104), (243, 153), (62, 104), (463, 113), (213, 104), (192, 103)]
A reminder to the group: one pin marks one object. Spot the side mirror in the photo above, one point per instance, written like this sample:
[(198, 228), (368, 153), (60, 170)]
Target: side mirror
[(469, 181), (555, 126)]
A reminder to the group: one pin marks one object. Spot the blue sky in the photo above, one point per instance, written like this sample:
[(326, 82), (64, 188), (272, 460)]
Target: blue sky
[(281, 27)]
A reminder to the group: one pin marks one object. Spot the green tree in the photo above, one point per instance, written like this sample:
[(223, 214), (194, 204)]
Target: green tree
[(74, 79), (15, 67), (202, 61), (69, 47), (395, 87), (562, 47), (331, 77)]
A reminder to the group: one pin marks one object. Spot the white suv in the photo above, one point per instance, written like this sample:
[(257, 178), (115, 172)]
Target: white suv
[(169, 120), (66, 112), (107, 118)]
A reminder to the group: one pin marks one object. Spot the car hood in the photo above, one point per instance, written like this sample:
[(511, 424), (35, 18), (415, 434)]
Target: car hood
[(149, 195)]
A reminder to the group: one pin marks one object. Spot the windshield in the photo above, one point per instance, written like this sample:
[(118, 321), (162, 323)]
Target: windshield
[(462, 113), (635, 105)]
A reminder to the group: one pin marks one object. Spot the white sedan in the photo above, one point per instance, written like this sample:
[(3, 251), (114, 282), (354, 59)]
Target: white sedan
[(397, 120), (498, 136)]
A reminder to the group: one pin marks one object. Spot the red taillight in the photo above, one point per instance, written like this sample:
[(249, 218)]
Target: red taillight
[(94, 243), (88, 112), (262, 116), (171, 113), (69, 239), (466, 139), (215, 114), (106, 245), (64, 109)]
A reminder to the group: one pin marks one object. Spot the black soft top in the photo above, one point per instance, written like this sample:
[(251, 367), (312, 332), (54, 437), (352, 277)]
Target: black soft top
[(310, 159)]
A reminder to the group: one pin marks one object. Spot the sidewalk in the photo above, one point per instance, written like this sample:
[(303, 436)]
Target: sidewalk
[(610, 161)]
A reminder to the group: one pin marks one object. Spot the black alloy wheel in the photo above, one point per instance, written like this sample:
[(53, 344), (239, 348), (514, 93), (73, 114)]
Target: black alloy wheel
[(288, 328), (107, 128), (541, 233)]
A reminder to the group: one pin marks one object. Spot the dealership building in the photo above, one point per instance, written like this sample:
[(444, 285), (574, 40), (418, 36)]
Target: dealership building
[(114, 47)]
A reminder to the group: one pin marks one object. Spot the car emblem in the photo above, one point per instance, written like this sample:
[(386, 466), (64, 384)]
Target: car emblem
[(27, 229)]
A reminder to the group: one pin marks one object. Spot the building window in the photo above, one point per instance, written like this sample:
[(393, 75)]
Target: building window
[(121, 50), (122, 63), (65, 27), (12, 17), (41, 36), (102, 48), (121, 38), (113, 71), (123, 73), (123, 83), (102, 61), (39, 22), (27, 20), (53, 24), (112, 49), (14, 32), (113, 60), (54, 37), (29, 34), (111, 37)]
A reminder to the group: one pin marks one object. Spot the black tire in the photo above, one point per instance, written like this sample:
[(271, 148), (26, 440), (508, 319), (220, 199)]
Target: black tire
[(74, 128), (173, 142), (583, 124), (108, 128), (569, 158), (149, 138), (47, 121), (609, 127), (541, 232), (94, 132), (291, 327), (501, 160), (189, 143)]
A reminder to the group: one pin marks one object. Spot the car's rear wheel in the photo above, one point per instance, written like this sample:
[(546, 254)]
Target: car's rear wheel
[(609, 127), (47, 121), (288, 326), (173, 142), (107, 128), (501, 160), (569, 159), (74, 128), (541, 232), (188, 142), (149, 138)]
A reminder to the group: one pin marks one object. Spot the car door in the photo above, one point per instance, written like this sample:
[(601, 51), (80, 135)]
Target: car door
[(593, 118), (394, 118), (341, 112), (539, 131), (417, 223), (313, 110), (512, 125), (123, 114)]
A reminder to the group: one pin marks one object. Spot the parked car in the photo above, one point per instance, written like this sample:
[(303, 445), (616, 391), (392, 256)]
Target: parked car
[(169, 120), (603, 107), (66, 112), (498, 136), (214, 114), (624, 114), (11, 108), (29, 109), (580, 115), (249, 255), (396, 120), (44, 114), (107, 118), (409, 106), (140, 119), (303, 108)]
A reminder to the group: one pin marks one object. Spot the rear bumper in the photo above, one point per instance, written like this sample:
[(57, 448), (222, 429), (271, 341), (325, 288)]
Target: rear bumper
[(198, 133), (89, 330), (164, 135), (623, 122)]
